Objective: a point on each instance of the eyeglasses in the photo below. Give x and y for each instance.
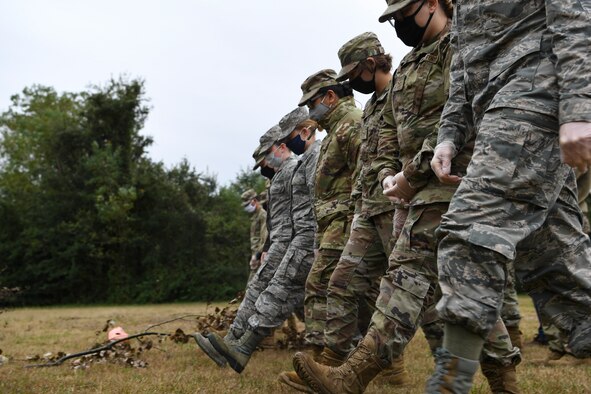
(310, 103)
(399, 13)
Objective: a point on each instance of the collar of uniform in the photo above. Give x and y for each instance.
(373, 102)
(284, 163)
(345, 105)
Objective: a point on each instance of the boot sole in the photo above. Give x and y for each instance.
(301, 369)
(283, 378)
(234, 364)
(208, 349)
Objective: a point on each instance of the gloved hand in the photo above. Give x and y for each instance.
(402, 192)
(575, 144)
(254, 262)
(388, 182)
(400, 215)
(441, 163)
(263, 257)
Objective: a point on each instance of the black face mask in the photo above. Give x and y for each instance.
(267, 172)
(365, 87)
(296, 145)
(408, 31)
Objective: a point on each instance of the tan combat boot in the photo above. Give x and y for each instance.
(500, 379)
(353, 376)
(291, 378)
(330, 358)
(550, 356)
(569, 360)
(395, 374)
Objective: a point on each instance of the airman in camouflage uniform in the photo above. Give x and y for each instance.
(336, 113)
(258, 228)
(248, 318)
(409, 289)
(520, 77)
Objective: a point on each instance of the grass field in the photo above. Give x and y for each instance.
(182, 368)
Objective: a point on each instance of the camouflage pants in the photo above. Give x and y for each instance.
(257, 285)
(316, 293)
(285, 292)
(356, 276)
(510, 310)
(516, 203)
(409, 292)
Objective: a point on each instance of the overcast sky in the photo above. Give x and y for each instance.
(218, 73)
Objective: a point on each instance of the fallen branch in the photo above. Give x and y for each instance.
(175, 319)
(92, 351)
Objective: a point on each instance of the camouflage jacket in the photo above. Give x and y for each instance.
(531, 55)
(336, 165)
(411, 120)
(280, 202)
(302, 198)
(258, 231)
(370, 200)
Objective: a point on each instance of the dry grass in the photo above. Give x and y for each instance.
(178, 368)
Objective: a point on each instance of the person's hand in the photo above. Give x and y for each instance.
(400, 215)
(316, 253)
(254, 262)
(441, 163)
(388, 182)
(263, 257)
(402, 192)
(575, 144)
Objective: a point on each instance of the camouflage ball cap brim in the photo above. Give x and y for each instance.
(394, 6)
(315, 82)
(290, 121)
(356, 50)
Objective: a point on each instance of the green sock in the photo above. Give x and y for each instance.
(462, 342)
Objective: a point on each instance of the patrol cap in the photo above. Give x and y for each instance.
(393, 6)
(315, 82)
(258, 157)
(357, 50)
(290, 121)
(266, 142)
(247, 196)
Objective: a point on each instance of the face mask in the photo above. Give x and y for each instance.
(296, 145)
(250, 208)
(267, 172)
(362, 86)
(273, 161)
(408, 31)
(319, 111)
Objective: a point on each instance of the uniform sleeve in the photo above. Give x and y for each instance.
(569, 23)
(263, 233)
(418, 170)
(456, 119)
(386, 162)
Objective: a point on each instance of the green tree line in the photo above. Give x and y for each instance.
(87, 217)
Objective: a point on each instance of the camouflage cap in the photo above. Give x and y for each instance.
(269, 138)
(393, 6)
(356, 50)
(290, 121)
(247, 196)
(315, 82)
(258, 157)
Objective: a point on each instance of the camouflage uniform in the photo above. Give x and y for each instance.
(280, 234)
(332, 191)
(365, 257)
(520, 70)
(258, 230)
(285, 291)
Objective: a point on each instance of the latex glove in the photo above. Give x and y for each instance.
(316, 253)
(402, 192)
(575, 144)
(263, 257)
(254, 262)
(441, 163)
(400, 215)
(388, 182)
